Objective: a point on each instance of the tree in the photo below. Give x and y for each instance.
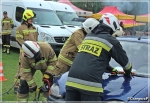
(89, 6)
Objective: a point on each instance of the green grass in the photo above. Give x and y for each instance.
(10, 66)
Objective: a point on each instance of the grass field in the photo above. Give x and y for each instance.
(10, 65)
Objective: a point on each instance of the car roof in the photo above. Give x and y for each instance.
(144, 39)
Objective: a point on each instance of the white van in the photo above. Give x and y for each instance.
(47, 23)
(66, 14)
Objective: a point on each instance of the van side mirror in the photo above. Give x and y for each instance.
(14, 26)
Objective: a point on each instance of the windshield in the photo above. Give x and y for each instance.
(137, 54)
(46, 17)
(66, 18)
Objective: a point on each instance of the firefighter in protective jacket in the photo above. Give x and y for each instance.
(26, 31)
(84, 81)
(35, 56)
(7, 25)
(70, 48)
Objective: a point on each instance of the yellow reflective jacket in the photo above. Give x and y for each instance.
(23, 33)
(7, 24)
(45, 64)
(70, 48)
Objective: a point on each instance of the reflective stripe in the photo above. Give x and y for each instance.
(62, 57)
(78, 46)
(100, 40)
(11, 22)
(41, 61)
(93, 49)
(26, 70)
(96, 43)
(17, 32)
(7, 46)
(84, 87)
(30, 82)
(84, 82)
(114, 69)
(128, 66)
(21, 50)
(27, 31)
(5, 21)
(54, 59)
(19, 36)
(65, 59)
(51, 67)
(6, 31)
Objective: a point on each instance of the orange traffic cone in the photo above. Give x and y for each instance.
(2, 78)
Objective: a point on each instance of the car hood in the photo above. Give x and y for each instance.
(116, 87)
(122, 88)
(54, 31)
(71, 28)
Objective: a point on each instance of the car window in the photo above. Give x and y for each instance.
(67, 17)
(137, 54)
(46, 17)
(19, 13)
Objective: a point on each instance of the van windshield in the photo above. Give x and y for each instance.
(66, 18)
(46, 17)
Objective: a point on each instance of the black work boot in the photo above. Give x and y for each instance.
(15, 90)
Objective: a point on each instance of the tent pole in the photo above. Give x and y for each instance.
(127, 14)
(96, 6)
(134, 23)
(140, 13)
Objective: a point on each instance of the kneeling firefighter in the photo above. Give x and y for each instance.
(84, 82)
(36, 56)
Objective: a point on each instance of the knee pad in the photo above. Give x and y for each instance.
(23, 88)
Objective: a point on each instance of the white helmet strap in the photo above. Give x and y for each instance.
(115, 25)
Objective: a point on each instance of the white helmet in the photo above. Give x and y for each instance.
(110, 20)
(31, 49)
(89, 24)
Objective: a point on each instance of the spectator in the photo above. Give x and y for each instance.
(147, 32)
(121, 24)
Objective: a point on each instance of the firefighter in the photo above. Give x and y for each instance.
(35, 56)
(84, 82)
(7, 25)
(26, 31)
(70, 48)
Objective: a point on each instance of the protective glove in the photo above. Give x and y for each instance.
(56, 78)
(128, 72)
(46, 76)
(48, 81)
(115, 71)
